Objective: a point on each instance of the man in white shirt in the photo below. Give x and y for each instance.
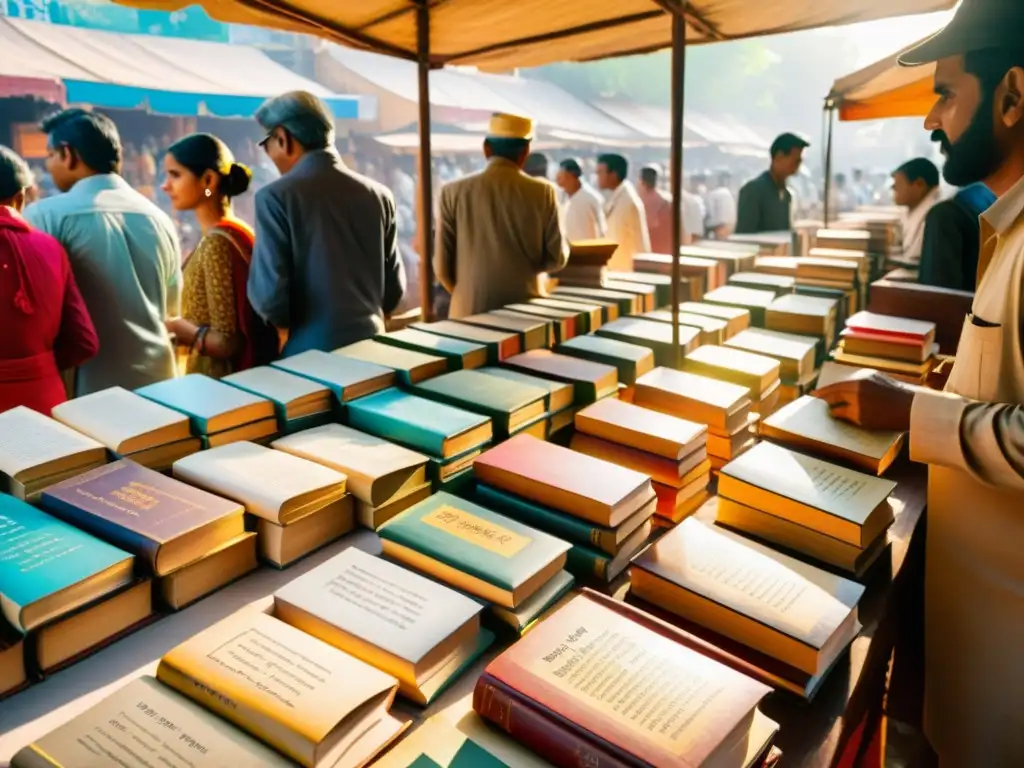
(915, 186)
(583, 212)
(627, 222)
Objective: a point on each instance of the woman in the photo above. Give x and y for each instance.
(218, 331)
(44, 325)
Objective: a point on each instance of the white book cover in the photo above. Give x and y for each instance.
(122, 420)
(29, 440)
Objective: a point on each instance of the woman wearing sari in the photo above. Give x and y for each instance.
(218, 333)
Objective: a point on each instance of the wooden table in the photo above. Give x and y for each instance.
(807, 738)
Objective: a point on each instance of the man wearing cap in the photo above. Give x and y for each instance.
(498, 231)
(972, 434)
(624, 211)
(766, 203)
(583, 214)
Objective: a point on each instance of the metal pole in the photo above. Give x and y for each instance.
(676, 168)
(830, 110)
(425, 221)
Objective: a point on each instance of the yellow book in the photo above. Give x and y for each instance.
(756, 372)
(796, 354)
(702, 399)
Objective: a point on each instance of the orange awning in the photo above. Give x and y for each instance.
(883, 90)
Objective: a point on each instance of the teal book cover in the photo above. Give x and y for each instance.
(566, 527)
(41, 555)
(336, 372)
(632, 360)
(278, 386)
(412, 421)
(477, 391)
(473, 539)
(203, 399)
(459, 353)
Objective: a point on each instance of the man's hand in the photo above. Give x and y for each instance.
(873, 401)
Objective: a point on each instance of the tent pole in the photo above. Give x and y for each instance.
(676, 169)
(425, 213)
(830, 112)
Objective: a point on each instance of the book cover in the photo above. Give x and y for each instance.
(591, 381)
(459, 353)
(661, 470)
(278, 386)
(631, 360)
(749, 298)
(409, 365)
(796, 354)
(211, 405)
(504, 400)
(798, 304)
(562, 323)
(500, 344)
(560, 395)
(122, 420)
(641, 428)
(534, 333)
(751, 370)
(344, 376)
(589, 315)
(652, 334)
(626, 302)
(33, 445)
(690, 395)
(895, 327)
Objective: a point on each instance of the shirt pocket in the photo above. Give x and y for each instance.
(978, 360)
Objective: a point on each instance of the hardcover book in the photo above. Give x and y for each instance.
(628, 302)
(647, 294)
(282, 545)
(212, 406)
(894, 327)
(592, 314)
(654, 335)
(500, 344)
(678, 474)
(533, 334)
(217, 568)
(796, 355)
(509, 404)
(560, 394)
(808, 315)
(631, 360)
(346, 377)
(641, 428)
(712, 330)
(592, 381)
(736, 318)
(762, 281)
(409, 366)
(459, 354)
(758, 373)
(123, 421)
(564, 323)
(293, 396)
(718, 404)
(754, 301)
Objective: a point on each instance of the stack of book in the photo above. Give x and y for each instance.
(724, 408)
(797, 357)
(712, 329)
(670, 450)
(459, 354)
(702, 274)
(410, 366)
(754, 301)
(728, 590)
(590, 381)
(628, 302)
(847, 239)
(219, 413)
(191, 542)
(590, 314)
(736, 319)
(588, 263)
(37, 451)
(647, 293)
(64, 591)
(860, 260)
(451, 437)
(300, 402)
(662, 284)
(516, 569)
(346, 377)
(768, 243)
(296, 506)
(564, 323)
(945, 307)
(631, 360)
(805, 316)
(559, 400)
(734, 257)
(758, 372)
(14, 672)
(413, 628)
(500, 344)
(834, 515)
(383, 478)
(898, 346)
(602, 509)
(645, 666)
(784, 266)
(763, 281)
(131, 426)
(838, 274)
(534, 332)
(656, 336)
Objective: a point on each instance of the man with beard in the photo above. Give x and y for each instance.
(972, 434)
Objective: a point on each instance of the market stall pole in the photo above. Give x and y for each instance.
(830, 117)
(424, 225)
(676, 161)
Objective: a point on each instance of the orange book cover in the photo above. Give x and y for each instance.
(641, 428)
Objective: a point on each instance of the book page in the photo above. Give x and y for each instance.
(28, 439)
(115, 415)
(809, 417)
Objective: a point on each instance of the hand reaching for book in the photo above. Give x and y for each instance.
(873, 401)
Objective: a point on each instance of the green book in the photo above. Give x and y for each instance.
(632, 360)
(294, 397)
(534, 333)
(590, 315)
(500, 344)
(211, 406)
(510, 404)
(409, 366)
(346, 377)
(473, 549)
(459, 354)
(560, 395)
(654, 335)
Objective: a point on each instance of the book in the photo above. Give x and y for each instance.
(596, 252)
(147, 723)
(563, 323)
(473, 549)
(500, 344)
(123, 421)
(838, 502)
(654, 335)
(628, 303)
(712, 329)
(592, 381)
(48, 567)
(915, 373)
(36, 451)
(211, 406)
(659, 469)
(701, 274)
(735, 318)
(377, 471)
(591, 489)
(762, 281)
(410, 366)
(417, 630)
(808, 424)
(646, 293)
(459, 353)
(754, 301)
(313, 703)
(896, 328)
(738, 260)
(373, 517)
(533, 334)
(879, 345)
(13, 672)
(787, 609)
(594, 566)
(560, 395)
(795, 354)
(945, 307)
(217, 568)
(641, 428)
(293, 396)
(420, 424)
(587, 317)
(677, 504)
(662, 285)
(804, 315)
(273, 485)
(756, 372)
(163, 522)
(283, 545)
(631, 360)
(509, 404)
(718, 404)
(540, 692)
(729, 445)
(834, 373)
(346, 377)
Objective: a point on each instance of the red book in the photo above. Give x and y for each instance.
(892, 327)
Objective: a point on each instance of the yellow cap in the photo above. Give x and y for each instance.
(505, 126)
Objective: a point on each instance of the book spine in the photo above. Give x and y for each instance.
(585, 563)
(572, 529)
(537, 730)
(103, 529)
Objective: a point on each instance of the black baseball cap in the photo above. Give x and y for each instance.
(787, 142)
(977, 26)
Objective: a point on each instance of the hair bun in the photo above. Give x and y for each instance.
(237, 180)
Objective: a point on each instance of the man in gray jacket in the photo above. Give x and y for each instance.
(326, 266)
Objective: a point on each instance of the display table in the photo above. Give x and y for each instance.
(809, 731)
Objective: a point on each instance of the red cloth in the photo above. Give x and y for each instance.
(44, 325)
(658, 208)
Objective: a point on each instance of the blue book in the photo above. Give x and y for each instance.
(49, 568)
(211, 406)
(346, 377)
(435, 428)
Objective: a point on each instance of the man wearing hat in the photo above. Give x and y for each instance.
(498, 231)
(583, 214)
(766, 202)
(972, 434)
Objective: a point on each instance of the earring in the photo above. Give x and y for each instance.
(208, 193)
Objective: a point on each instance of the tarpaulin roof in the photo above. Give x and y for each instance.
(656, 123)
(885, 89)
(501, 34)
(170, 76)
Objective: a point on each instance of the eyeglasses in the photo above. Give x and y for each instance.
(265, 140)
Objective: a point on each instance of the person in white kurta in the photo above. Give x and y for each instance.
(624, 211)
(583, 208)
(972, 434)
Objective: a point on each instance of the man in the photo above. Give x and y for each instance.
(123, 251)
(952, 239)
(536, 165)
(583, 214)
(721, 219)
(915, 186)
(498, 230)
(658, 212)
(861, 188)
(326, 266)
(971, 435)
(627, 224)
(766, 202)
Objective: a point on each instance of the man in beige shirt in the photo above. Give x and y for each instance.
(498, 231)
(972, 434)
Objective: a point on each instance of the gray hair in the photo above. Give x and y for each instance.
(15, 175)
(303, 115)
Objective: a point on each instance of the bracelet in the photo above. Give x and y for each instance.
(199, 340)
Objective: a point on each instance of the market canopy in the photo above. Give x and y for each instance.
(169, 76)
(884, 89)
(502, 34)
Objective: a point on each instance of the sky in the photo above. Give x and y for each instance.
(877, 39)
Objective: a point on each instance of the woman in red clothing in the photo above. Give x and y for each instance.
(44, 325)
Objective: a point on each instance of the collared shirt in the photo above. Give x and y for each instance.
(764, 206)
(627, 226)
(583, 215)
(126, 259)
(913, 227)
(721, 208)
